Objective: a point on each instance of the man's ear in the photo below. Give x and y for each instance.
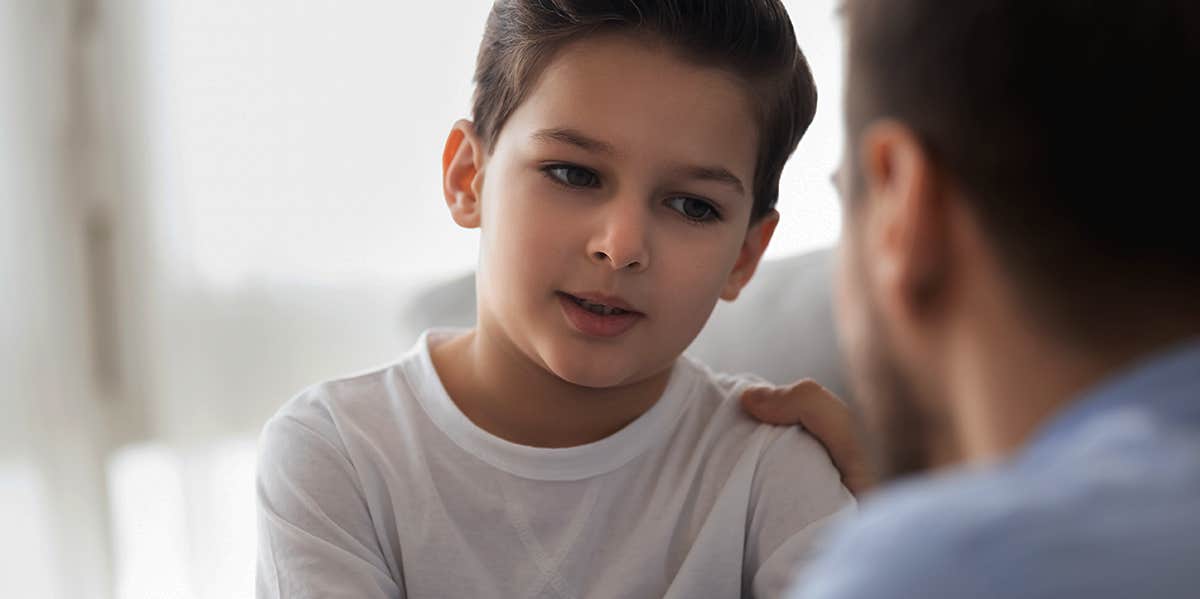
(906, 237)
(462, 174)
(758, 237)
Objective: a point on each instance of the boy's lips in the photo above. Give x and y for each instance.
(597, 298)
(598, 315)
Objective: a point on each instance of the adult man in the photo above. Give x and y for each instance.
(1019, 299)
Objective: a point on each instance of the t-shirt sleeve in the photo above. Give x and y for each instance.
(315, 533)
(796, 494)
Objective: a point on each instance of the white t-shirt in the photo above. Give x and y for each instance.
(378, 486)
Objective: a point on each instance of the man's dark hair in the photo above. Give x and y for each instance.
(1071, 125)
(753, 39)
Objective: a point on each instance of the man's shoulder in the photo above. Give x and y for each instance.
(945, 511)
(993, 533)
(922, 538)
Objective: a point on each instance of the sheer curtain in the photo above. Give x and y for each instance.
(231, 200)
(54, 433)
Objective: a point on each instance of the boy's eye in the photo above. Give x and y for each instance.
(573, 176)
(693, 209)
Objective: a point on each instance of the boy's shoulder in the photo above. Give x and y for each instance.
(716, 397)
(329, 406)
(716, 408)
(792, 490)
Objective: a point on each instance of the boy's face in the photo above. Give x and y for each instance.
(625, 179)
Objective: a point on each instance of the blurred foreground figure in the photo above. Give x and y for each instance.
(1019, 299)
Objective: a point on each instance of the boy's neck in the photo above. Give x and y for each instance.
(506, 394)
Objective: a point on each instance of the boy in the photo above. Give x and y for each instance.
(622, 167)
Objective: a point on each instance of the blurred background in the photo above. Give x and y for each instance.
(205, 207)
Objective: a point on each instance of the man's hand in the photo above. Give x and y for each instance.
(825, 416)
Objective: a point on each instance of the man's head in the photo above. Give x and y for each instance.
(1018, 158)
(625, 154)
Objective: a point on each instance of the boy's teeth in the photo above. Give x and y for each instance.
(600, 309)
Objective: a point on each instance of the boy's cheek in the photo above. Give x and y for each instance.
(692, 283)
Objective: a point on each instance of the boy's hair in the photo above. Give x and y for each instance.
(1058, 118)
(753, 39)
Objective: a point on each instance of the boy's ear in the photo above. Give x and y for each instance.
(462, 166)
(757, 239)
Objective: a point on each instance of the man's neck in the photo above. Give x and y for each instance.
(1011, 383)
(507, 394)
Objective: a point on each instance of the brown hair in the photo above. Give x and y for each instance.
(753, 39)
(1059, 119)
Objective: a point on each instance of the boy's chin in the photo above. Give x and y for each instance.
(592, 378)
(594, 374)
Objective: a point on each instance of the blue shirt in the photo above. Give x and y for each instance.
(1104, 502)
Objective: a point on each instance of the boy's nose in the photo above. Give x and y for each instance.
(619, 262)
(621, 243)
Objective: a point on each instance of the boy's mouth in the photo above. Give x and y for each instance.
(603, 306)
(596, 315)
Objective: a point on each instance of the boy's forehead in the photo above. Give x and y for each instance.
(618, 65)
(622, 93)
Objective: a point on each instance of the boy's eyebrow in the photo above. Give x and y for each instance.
(575, 138)
(716, 174)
